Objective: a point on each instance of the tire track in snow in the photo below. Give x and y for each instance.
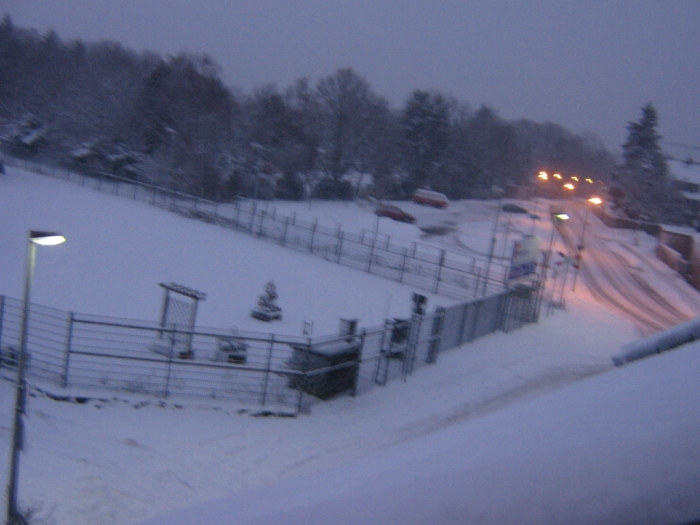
(612, 280)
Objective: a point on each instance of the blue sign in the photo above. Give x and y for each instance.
(525, 254)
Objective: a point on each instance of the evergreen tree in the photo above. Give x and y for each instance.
(642, 152)
(648, 192)
(425, 130)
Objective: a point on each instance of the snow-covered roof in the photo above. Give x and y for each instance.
(679, 230)
(691, 196)
(685, 172)
(83, 151)
(33, 136)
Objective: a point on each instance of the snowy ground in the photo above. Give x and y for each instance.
(498, 431)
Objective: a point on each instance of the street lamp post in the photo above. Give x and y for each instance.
(493, 245)
(14, 517)
(579, 248)
(548, 254)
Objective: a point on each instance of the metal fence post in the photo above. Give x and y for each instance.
(403, 264)
(381, 358)
(304, 377)
(435, 335)
(313, 234)
(166, 392)
(268, 366)
(253, 209)
(284, 231)
(478, 281)
(238, 214)
(503, 307)
(371, 253)
(339, 246)
(261, 226)
(69, 340)
(412, 344)
(477, 307)
(358, 363)
(2, 318)
(439, 273)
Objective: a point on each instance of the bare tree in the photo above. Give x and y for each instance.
(351, 115)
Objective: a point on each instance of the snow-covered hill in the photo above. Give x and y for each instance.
(491, 433)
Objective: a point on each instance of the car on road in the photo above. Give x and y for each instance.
(395, 213)
(513, 208)
(430, 198)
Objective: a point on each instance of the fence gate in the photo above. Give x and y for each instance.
(179, 312)
(403, 345)
(522, 307)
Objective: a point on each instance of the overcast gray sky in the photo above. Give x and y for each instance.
(587, 65)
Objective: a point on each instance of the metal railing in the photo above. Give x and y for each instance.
(421, 266)
(269, 370)
(76, 350)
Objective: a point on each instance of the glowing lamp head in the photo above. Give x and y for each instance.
(557, 176)
(569, 186)
(543, 175)
(561, 216)
(46, 238)
(595, 200)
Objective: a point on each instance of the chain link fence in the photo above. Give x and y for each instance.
(282, 373)
(421, 266)
(273, 371)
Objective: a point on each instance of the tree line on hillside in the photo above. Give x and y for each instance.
(99, 107)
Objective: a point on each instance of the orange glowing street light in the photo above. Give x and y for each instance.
(543, 175)
(557, 176)
(574, 178)
(569, 186)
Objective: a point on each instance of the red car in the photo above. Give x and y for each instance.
(430, 198)
(394, 212)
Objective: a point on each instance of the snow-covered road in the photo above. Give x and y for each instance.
(625, 278)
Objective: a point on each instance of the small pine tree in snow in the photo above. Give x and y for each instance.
(267, 308)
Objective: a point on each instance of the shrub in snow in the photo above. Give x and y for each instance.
(267, 309)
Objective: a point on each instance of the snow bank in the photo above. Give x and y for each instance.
(466, 440)
(615, 448)
(660, 342)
